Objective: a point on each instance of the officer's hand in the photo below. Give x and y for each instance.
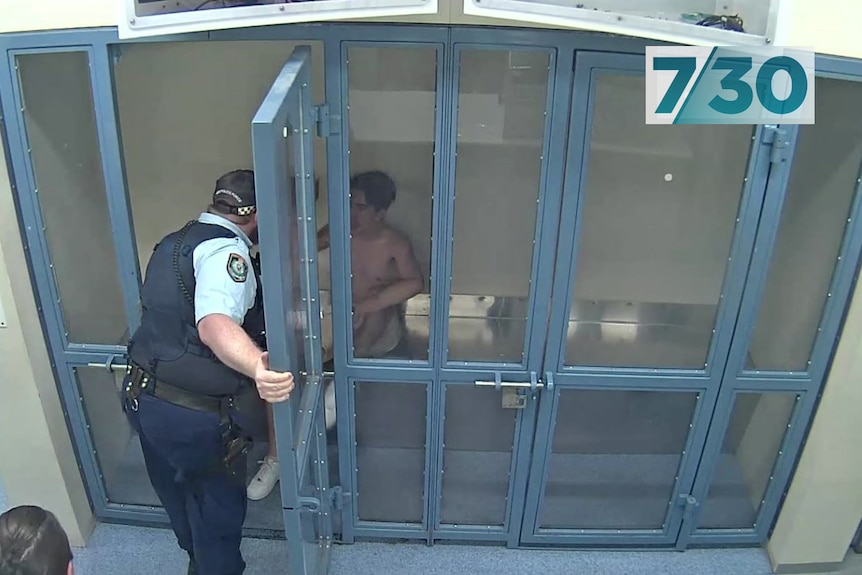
(272, 386)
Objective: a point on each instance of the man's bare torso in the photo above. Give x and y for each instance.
(373, 267)
(373, 261)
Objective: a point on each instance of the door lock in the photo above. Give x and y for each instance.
(514, 398)
(514, 394)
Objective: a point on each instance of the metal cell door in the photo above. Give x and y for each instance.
(89, 307)
(657, 231)
(494, 314)
(281, 138)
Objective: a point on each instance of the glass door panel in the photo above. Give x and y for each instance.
(615, 458)
(385, 293)
(752, 444)
(479, 444)
(499, 136)
(657, 217)
(115, 444)
(390, 430)
(284, 179)
(802, 275)
(653, 250)
(499, 153)
(59, 124)
(71, 227)
(310, 526)
(811, 234)
(392, 119)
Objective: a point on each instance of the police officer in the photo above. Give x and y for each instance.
(193, 354)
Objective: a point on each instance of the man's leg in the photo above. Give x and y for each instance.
(191, 443)
(163, 477)
(263, 482)
(217, 507)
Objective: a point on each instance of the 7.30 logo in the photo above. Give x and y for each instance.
(729, 85)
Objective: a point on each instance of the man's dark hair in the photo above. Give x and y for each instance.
(378, 187)
(32, 542)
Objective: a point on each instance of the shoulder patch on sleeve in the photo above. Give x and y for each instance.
(237, 267)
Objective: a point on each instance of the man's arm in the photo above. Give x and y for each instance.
(236, 350)
(408, 285)
(229, 342)
(225, 289)
(224, 292)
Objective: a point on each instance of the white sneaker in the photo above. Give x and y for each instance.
(264, 480)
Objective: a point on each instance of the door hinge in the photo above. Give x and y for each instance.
(327, 124)
(777, 138)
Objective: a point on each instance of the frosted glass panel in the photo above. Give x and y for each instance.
(658, 216)
(501, 129)
(60, 123)
(823, 182)
(751, 446)
(478, 441)
(390, 451)
(615, 458)
(392, 110)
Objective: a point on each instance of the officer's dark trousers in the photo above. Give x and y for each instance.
(183, 449)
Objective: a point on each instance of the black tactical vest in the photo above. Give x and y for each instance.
(166, 344)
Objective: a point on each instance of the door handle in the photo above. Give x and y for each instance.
(534, 382)
(112, 367)
(526, 384)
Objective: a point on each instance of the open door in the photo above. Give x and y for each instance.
(282, 143)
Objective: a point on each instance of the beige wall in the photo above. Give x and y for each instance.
(18, 15)
(824, 502)
(830, 26)
(37, 461)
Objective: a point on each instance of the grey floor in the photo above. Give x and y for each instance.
(142, 551)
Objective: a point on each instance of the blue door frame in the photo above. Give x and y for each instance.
(704, 382)
(284, 180)
(568, 118)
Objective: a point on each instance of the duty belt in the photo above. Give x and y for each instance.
(139, 381)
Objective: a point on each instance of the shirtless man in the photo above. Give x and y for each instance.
(385, 271)
(385, 276)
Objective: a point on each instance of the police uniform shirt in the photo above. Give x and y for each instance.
(224, 280)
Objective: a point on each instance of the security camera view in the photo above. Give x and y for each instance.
(155, 7)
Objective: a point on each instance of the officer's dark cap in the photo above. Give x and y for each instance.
(234, 193)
